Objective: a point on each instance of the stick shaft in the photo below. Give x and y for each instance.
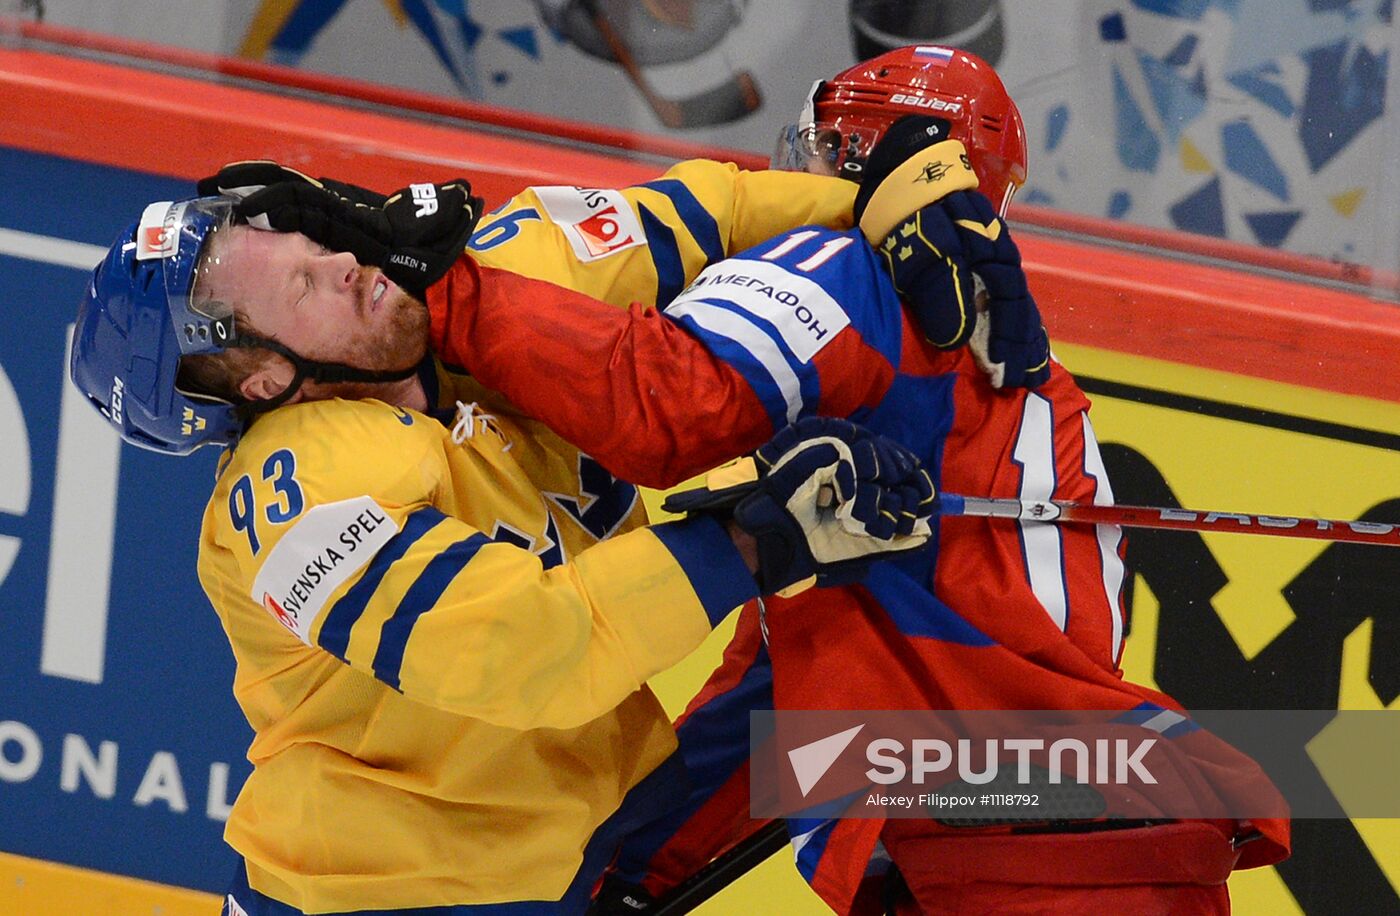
(669, 112)
(1321, 529)
(740, 94)
(952, 505)
(724, 870)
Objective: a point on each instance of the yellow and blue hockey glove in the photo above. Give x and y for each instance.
(935, 258)
(913, 164)
(952, 239)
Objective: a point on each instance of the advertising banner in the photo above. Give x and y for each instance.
(1231, 621)
(121, 748)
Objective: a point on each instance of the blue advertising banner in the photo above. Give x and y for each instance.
(121, 748)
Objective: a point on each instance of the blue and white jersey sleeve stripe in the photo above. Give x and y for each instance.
(771, 311)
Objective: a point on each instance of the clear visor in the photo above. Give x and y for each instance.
(820, 149)
(188, 238)
(809, 148)
(216, 216)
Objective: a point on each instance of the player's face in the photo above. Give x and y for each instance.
(319, 303)
(821, 145)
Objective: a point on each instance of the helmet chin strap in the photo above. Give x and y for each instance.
(310, 370)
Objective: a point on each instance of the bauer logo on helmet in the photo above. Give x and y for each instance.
(923, 101)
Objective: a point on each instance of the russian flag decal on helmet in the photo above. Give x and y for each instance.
(933, 54)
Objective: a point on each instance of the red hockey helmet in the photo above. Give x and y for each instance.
(845, 115)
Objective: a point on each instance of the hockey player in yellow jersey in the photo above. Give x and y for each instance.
(443, 615)
(634, 244)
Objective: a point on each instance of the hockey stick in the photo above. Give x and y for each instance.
(720, 105)
(724, 870)
(951, 505)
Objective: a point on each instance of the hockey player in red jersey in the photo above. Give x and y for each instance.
(1009, 615)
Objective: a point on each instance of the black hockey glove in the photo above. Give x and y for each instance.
(829, 499)
(935, 258)
(240, 179)
(415, 235)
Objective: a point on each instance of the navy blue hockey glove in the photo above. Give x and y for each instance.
(414, 235)
(953, 239)
(936, 257)
(913, 164)
(832, 498)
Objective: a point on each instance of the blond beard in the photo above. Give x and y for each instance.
(407, 341)
(403, 346)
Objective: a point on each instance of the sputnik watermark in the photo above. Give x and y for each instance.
(1114, 761)
(935, 802)
(986, 766)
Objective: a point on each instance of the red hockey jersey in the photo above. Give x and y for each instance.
(1003, 615)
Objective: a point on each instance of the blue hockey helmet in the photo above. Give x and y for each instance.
(140, 316)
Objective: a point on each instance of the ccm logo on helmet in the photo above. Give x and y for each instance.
(920, 101)
(115, 402)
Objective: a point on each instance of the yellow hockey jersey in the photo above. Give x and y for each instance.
(444, 668)
(646, 243)
(440, 716)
